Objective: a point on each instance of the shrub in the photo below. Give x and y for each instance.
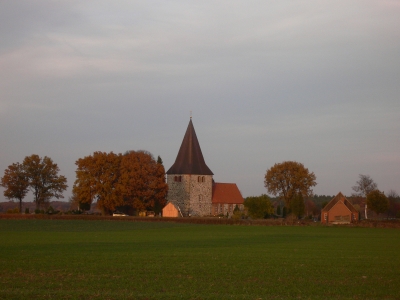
(377, 201)
(84, 206)
(27, 210)
(291, 218)
(52, 211)
(258, 207)
(237, 214)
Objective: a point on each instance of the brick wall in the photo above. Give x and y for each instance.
(339, 213)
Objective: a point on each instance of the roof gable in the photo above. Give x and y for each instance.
(339, 204)
(170, 205)
(190, 159)
(171, 210)
(339, 197)
(226, 193)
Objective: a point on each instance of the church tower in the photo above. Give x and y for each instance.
(189, 179)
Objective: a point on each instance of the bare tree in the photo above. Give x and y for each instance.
(364, 186)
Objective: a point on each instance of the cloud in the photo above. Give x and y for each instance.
(267, 81)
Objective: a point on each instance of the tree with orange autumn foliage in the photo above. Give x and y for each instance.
(43, 179)
(289, 179)
(97, 178)
(15, 182)
(142, 181)
(133, 181)
(38, 174)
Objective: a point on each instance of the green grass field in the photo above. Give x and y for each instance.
(78, 259)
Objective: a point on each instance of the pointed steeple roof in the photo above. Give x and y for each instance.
(190, 159)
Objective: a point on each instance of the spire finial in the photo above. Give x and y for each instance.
(190, 114)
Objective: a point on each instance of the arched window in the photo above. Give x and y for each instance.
(203, 179)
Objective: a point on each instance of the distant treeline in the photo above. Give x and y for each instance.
(319, 200)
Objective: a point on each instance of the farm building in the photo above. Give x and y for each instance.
(339, 211)
(191, 187)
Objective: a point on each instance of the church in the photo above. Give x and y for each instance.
(191, 187)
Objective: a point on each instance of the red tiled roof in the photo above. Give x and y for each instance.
(190, 159)
(336, 199)
(226, 193)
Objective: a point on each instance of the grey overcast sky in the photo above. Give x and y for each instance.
(313, 81)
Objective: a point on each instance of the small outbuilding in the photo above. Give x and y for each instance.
(339, 211)
(171, 211)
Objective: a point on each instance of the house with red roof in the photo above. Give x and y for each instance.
(225, 197)
(339, 211)
(191, 187)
